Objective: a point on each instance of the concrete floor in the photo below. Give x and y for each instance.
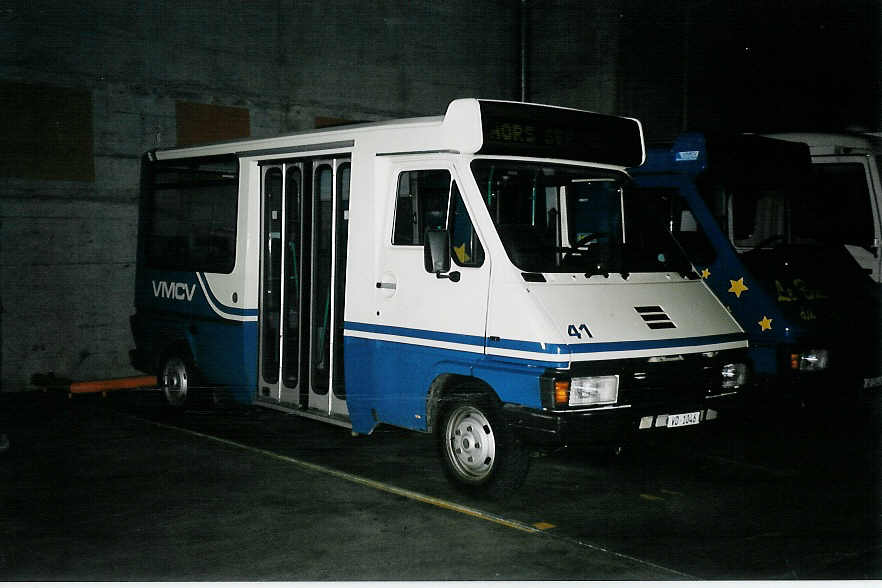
(119, 489)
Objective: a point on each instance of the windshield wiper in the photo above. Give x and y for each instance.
(588, 274)
(625, 274)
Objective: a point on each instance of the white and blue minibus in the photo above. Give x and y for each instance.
(482, 276)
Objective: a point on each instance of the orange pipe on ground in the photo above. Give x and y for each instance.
(114, 384)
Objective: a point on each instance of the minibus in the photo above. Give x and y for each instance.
(482, 276)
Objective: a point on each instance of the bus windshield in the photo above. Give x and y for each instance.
(559, 218)
(809, 208)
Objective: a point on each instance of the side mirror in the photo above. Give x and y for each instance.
(436, 251)
(436, 254)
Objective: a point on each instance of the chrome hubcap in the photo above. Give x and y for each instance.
(471, 446)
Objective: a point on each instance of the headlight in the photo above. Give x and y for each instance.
(812, 360)
(594, 390)
(734, 375)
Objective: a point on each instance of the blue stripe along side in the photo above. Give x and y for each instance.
(656, 344)
(227, 309)
(416, 333)
(548, 348)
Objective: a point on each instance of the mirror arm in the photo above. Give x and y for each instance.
(452, 276)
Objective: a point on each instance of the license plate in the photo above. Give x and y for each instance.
(682, 420)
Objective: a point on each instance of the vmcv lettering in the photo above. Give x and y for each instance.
(175, 290)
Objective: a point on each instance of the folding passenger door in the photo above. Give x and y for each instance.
(303, 261)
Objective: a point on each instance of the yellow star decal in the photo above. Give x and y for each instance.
(766, 323)
(737, 287)
(705, 273)
(461, 253)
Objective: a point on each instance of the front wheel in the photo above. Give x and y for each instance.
(479, 450)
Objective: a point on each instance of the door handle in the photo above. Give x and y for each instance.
(387, 285)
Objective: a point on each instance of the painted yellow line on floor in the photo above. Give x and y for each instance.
(431, 500)
(672, 492)
(441, 503)
(651, 497)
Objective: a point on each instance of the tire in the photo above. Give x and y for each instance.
(176, 381)
(478, 449)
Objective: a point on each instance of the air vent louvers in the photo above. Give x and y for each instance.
(655, 317)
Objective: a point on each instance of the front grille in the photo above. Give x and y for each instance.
(643, 383)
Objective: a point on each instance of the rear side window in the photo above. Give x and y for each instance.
(189, 215)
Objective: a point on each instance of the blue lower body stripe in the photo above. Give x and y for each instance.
(441, 336)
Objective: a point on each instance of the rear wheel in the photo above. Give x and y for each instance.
(175, 381)
(479, 450)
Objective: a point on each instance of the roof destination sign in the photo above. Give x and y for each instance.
(532, 130)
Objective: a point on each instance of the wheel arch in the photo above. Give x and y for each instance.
(449, 386)
(180, 347)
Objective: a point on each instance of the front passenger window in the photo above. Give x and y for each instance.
(421, 204)
(430, 199)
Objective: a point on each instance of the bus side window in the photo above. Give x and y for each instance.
(190, 215)
(421, 203)
(667, 207)
(688, 232)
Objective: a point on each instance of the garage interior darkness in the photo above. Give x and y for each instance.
(87, 87)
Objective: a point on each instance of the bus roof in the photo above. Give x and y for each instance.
(489, 127)
(738, 155)
(835, 143)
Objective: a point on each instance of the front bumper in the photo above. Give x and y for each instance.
(649, 392)
(851, 373)
(607, 427)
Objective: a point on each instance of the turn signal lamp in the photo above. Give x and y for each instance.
(813, 360)
(561, 392)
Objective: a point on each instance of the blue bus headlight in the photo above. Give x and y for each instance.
(812, 360)
(594, 390)
(734, 375)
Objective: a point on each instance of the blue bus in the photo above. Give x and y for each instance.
(753, 216)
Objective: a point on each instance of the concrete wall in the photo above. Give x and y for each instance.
(67, 247)
(573, 54)
(750, 65)
(67, 240)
